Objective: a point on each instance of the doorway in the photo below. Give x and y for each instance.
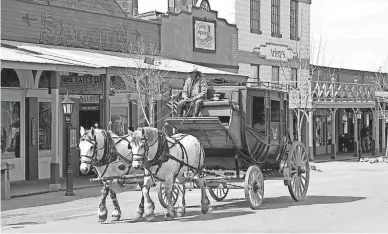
(87, 118)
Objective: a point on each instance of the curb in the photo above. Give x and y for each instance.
(48, 191)
(335, 160)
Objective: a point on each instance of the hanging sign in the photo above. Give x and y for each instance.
(275, 52)
(80, 85)
(204, 35)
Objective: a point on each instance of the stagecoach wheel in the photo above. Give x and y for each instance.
(254, 187)
(299, 169)
(219, 194)
(162, 194)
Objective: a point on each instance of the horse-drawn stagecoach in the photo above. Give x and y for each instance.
(243, 136)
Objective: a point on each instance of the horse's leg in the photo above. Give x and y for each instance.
(116, 214)
(140, 209)
(102, 211)
(205, 203)
(181, 210)
(170, 205)
(149, 205)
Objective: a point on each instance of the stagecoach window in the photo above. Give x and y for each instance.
(275, 111)
(258, 114)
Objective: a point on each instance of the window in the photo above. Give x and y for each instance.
(258, 114)
(294, 77)
(9, 78)
(256, 72)
(44, 125)
(255, 16)
(275, 73)
(294, 20)
(10, 129)
(275, 18)
(275, 111)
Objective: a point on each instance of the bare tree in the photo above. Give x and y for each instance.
(148, 78)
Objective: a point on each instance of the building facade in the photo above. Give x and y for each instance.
(81, 48)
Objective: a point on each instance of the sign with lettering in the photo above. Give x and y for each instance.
(89, 108)
(81, 85)
(34, 132)
(73, 137)
(34, 22)
(204, 35)
(95, 99)
(275, 52)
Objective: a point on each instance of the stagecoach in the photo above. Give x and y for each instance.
(244, 131)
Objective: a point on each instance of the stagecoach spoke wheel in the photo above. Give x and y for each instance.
(162, 193)
(254, 187)
(219, 194)
(299, 168)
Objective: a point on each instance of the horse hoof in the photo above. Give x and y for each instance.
(116, 215)
(102, 215)
(139, 213)
(180, 212)
(205, 206)
(168, 217)
(150, 216)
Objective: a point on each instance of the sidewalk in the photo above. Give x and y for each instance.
(28, 188)
(342, 157)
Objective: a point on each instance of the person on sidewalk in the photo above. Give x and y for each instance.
(193, 94)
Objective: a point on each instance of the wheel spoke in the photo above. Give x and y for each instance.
(304, 177)
(302, 183)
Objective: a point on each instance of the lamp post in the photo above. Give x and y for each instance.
(67, 105)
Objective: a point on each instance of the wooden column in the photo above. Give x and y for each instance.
(55, 185)
(356, 133)
(106, 101)
(383, 132)
(32, 139)
(311, 134)
(376, 133)
(334, 133)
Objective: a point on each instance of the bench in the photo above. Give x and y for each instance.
(5, 184)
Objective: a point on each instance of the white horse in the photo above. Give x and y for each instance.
(168, 159)
(110, 155)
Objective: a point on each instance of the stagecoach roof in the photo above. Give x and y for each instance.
(47, 54)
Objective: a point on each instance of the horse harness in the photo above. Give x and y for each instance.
(162, 155)
(110, 152)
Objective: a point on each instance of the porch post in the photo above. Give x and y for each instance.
(311, 134)
(356, 133)
(376, 133)
(106, 100)
(55, 185)
(383, 133)
(333, 134)
(291, 124)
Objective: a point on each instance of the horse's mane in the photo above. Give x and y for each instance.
(151, 134)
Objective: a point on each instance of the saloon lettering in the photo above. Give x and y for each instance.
(81, 79)
(60, 32)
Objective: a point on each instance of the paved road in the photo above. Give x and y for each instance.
(345, 197)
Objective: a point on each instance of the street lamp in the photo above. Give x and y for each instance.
(67, 105)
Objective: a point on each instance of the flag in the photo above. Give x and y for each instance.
(173, 105)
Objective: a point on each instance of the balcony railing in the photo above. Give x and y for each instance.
(343, 92)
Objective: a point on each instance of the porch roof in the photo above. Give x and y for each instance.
(47, 54)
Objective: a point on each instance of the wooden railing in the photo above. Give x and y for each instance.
(342, 92)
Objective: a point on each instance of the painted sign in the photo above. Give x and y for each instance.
(34, 132)
(275, 52)
(33, 22)
(204, 35)
(81, 85)
(89, 108)
(73, 137)
(95, 99)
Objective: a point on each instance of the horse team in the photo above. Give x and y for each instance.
(174, 159)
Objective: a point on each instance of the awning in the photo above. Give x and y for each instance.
(46, 54)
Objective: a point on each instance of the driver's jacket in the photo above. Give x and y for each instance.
(195, 90)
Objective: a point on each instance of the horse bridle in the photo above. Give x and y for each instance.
(93, 158)
(143, 157)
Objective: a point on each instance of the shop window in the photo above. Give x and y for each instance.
(119, 119)
(9, 78)
(117, 83)
(44, 80)
(275, 73)
(44, 125)
(275, 111)
(258, 114)
(294, 77)
(10, 129)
